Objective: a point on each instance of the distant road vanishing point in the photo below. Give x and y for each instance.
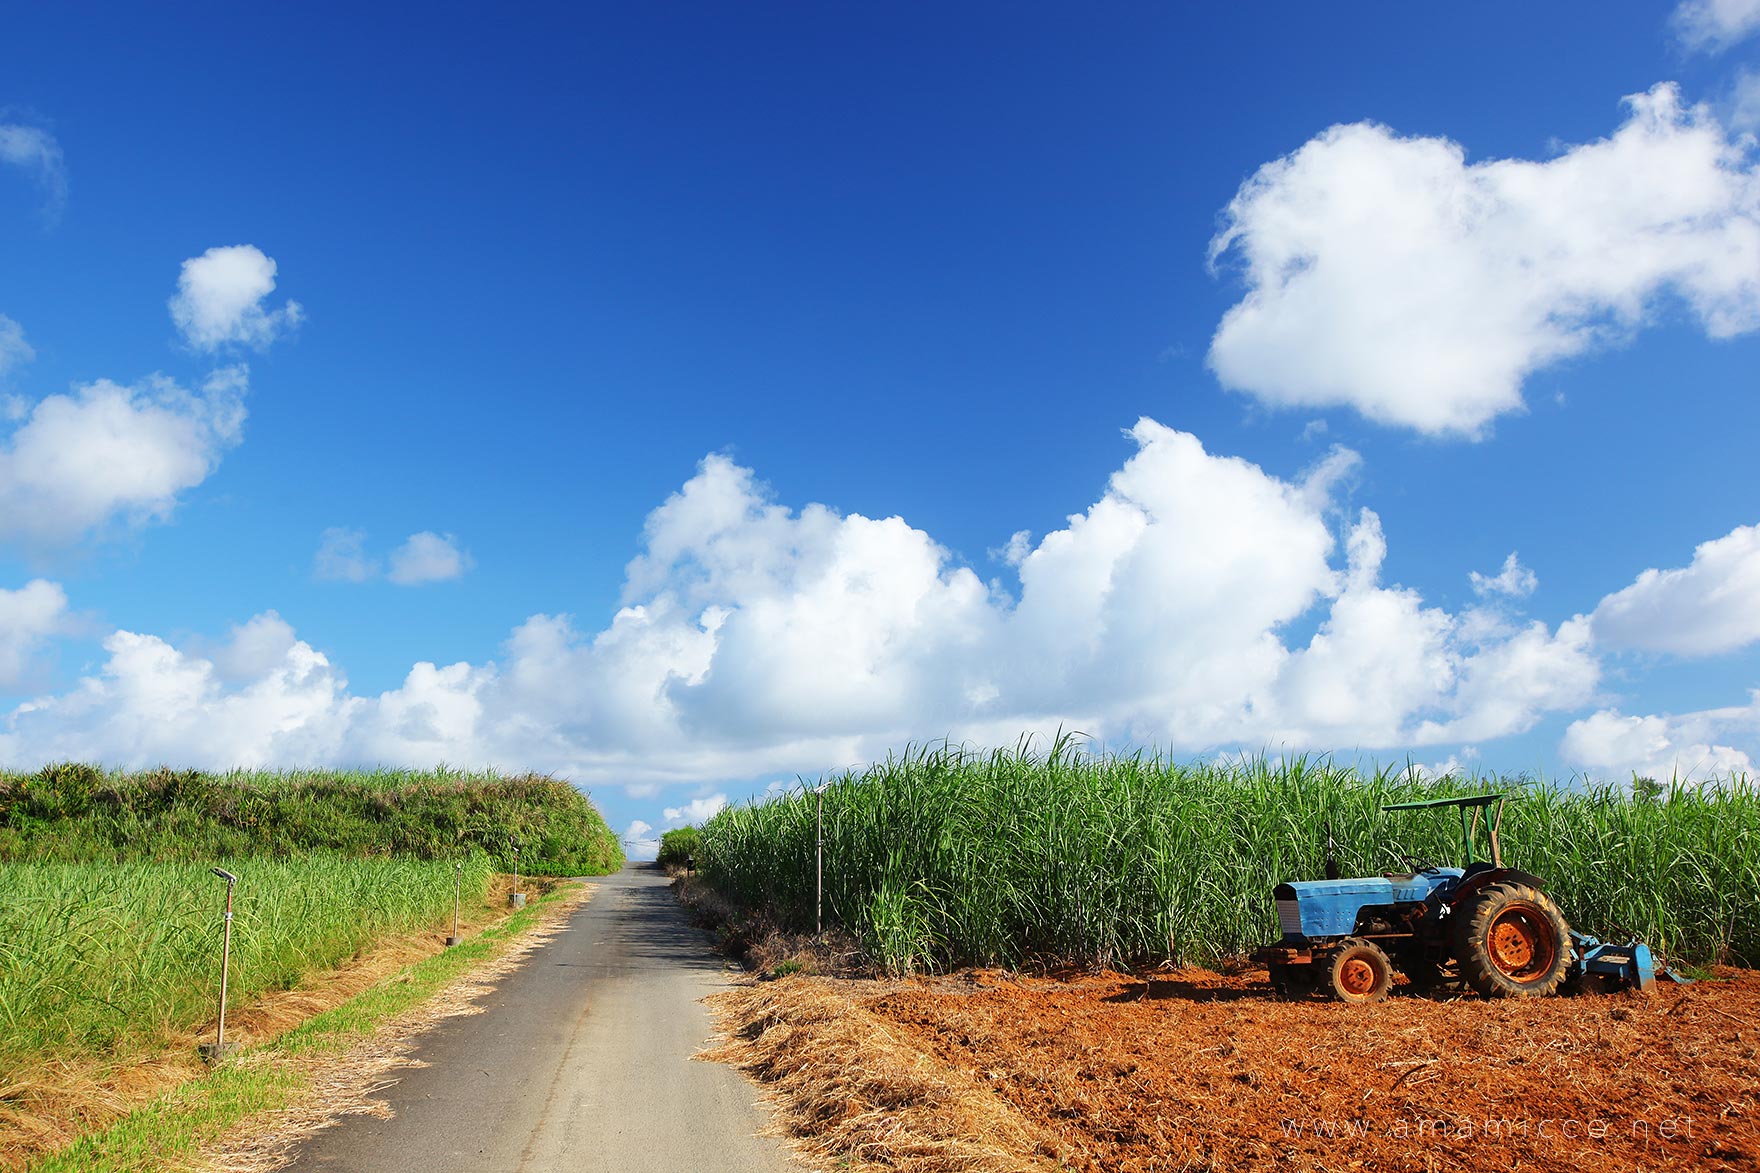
(581, 1061)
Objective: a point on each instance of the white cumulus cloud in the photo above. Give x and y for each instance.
(697, 811)
(1708, 607)
(1693, 747)
(29, 617)
(254, 649)
(1714, 25)
(1389, 275)
(756, 639)
(219, 300)
(152, 703)
(1514, 581)
(71, 463)
(428, 557)
(641, 840)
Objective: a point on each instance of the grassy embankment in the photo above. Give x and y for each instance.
(78, 814)
(174, 1130)
(944, 857)
(100, 960)
(109, 918)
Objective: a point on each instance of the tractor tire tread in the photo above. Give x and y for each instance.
(1379, 962)
(1472, 949)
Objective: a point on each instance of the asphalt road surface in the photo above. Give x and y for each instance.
(581, 1061)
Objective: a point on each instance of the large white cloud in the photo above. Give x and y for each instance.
(152, 703)
(71, 463)
(757, 639)
(1708, 607)
(1716, 24)
(219, 300)
(1692, 747)
(1389, 275)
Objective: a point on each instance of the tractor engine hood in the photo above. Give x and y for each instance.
(1328, 908)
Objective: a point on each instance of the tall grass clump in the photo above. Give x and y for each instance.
(78, 813)
(96, 960)
(946, 856)
(679, 847)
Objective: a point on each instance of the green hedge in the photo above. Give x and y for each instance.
(79, 813)
(677, 848)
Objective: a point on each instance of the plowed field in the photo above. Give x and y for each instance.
(1197, 1071)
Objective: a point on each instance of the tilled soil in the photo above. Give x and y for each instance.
(1196, 1071)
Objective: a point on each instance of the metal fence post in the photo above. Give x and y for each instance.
(218, 1049)
(457, 896)
(819, 881)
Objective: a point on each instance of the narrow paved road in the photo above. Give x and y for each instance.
(580, 1062)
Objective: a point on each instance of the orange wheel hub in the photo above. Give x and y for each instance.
(1519, 944)
(1357, 977)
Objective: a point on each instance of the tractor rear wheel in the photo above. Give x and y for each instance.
(1512, 942)
(1360, 972)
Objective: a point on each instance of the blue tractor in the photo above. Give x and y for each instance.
(1488, 926)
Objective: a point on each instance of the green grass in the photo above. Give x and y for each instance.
(110, 921)
(167, 1132)
(80, 814)
(944, 856)
(103, 960)
(679, 847)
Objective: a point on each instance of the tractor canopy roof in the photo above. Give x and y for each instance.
(1470, 802)
(1465, 800)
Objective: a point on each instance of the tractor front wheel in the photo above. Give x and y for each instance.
(1512, 942)
(1360, 972)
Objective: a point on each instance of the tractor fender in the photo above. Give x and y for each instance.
(1474, 881)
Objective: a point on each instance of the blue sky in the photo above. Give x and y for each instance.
(681, 398)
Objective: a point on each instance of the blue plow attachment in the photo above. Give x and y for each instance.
(1629, 965)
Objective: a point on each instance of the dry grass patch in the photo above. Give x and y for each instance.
(853, 1090)
(763, 946)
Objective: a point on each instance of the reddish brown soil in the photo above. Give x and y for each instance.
(1196, 1071)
